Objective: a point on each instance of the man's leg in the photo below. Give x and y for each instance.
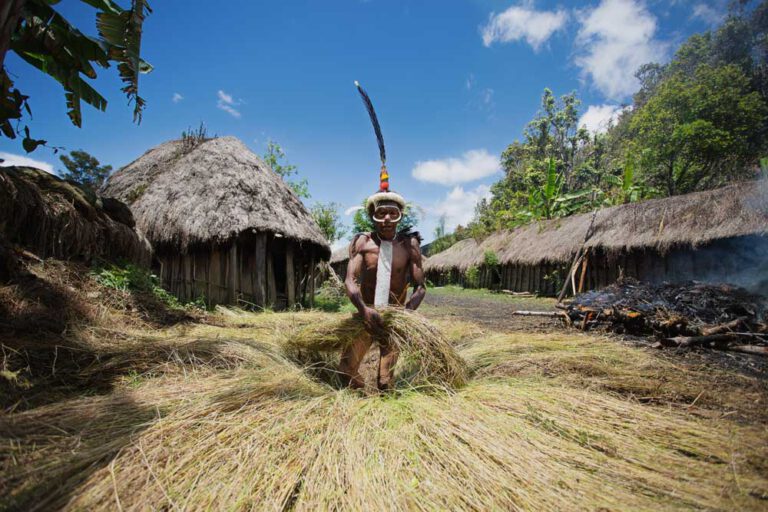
(352, 357)
(389, 355)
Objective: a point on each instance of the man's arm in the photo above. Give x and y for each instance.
(417, 274)
(371, 317)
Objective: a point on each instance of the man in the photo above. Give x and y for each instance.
(377, 276)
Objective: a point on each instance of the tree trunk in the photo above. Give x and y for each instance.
(10, 15)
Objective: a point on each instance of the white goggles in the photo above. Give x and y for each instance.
(380, 214)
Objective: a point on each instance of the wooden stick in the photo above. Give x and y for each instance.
(721, 328)
(759, 350)
(584, 264)
(577, 258)
(690, 341)
(538, 313)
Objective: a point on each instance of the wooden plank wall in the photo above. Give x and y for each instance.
(242, 272)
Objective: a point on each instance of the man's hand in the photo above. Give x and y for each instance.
(372, 320)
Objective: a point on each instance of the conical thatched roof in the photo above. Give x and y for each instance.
(182, 195)
(687, 220)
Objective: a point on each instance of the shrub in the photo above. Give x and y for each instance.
(131, 278)
(472, 277)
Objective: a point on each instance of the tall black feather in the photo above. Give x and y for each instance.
(374, 122)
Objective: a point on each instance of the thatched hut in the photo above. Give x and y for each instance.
(717, 234)
(339, 261)
(224, 226)
(54, 218)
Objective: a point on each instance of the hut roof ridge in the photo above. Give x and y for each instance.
(183, 194)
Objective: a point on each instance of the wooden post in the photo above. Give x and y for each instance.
(584, 264)
(188, 290)
(260, 270)
(290, 276)
(271, 284)
(232, 295)
(312, 278)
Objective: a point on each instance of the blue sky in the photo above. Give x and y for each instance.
(453, 82)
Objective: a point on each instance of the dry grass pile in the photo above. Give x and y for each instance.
(426, 358)
(221, 419)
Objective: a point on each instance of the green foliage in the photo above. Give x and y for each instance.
(328, 219)
(43, 38)
(698, 131)
(131, 278)
(192, 137)
(332, 298)
(274, 158)
(440, 228)
(361, 223)
(472, 277)
(84, 169)
(490, 258)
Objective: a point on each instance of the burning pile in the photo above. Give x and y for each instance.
(680, 315)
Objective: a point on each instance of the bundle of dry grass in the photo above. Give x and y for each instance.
(426, 355)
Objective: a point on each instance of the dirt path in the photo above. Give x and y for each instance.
(489, 310)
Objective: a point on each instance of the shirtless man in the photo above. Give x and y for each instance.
(400, 256)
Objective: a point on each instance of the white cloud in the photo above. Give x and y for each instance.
(11, 159)
(486, 96)
(227, 103)
(352, 209)
(523, 22)
(177, 97)
(709, 14)
(614, 40)
(472, 165)
(598, 118)
(470, 82)
(459, 205)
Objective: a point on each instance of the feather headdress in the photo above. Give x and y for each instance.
(384, 194)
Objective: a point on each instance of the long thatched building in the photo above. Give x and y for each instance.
(717, 235)
(224, 226)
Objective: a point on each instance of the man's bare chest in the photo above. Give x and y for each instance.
(371, 251)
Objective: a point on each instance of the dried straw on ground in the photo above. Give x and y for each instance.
(537, 428)
(426, 356)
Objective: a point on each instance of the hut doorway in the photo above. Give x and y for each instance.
(277, 254)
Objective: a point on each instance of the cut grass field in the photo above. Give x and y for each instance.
(219, 415)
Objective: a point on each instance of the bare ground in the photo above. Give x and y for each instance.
(494, 311)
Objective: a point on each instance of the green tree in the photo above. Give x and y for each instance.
(440, 228)
(328, 219)
(84, 169)
(274, 158)
(699, 131)
(42, 37)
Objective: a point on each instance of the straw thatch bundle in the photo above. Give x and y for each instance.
(210, 192)
(426, 356)
(688, 220)
(55, 218)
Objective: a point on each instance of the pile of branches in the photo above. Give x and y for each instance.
(690, 314)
